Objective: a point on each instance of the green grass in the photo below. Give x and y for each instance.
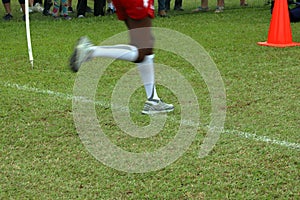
(42, 156)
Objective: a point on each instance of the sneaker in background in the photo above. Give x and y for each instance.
(37, 8)
(7, 17)
(67, 17)
(219, 9)
(200, 9)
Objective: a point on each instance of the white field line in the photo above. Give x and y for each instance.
(262, 138)
(50, 92)
(242, 134)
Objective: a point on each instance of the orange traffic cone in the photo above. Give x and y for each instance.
(280, 34)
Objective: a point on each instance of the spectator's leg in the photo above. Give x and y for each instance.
(178, 5)
(47, 6)
(99, 7)
(81, 7)
(64, 7)
(167, 4)
(6, 4)
(56, 8)
(161, 8)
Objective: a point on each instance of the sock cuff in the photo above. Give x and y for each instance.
(147, 59)
(151, 56)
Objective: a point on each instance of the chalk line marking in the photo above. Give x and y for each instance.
(262, 138)
(242, 134)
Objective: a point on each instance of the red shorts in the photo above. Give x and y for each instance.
(135, 9)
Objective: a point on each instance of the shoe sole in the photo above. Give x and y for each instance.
(156, 112)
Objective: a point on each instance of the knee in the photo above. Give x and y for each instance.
(143, 53)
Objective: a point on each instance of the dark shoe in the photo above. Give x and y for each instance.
(8, 17)
(178, 9)
(89, 10)
(46, 12)
(70, 9)
(24, 18)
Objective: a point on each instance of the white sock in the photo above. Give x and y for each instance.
(121, 52)
(146, 69)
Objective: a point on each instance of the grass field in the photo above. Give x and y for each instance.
(256, 157)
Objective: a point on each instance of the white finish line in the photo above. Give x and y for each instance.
(242, 134)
